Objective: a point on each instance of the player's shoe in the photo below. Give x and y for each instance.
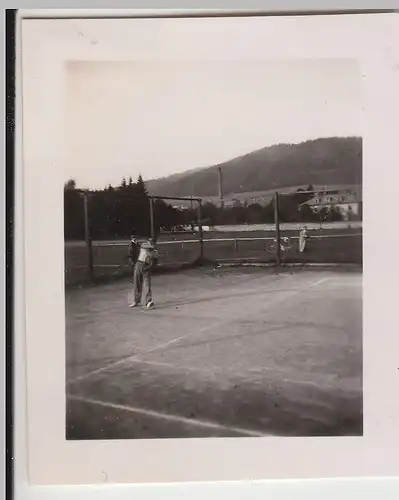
(133, 304)
(150, 304)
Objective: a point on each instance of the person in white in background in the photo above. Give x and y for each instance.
(142, 273)
(303, 235)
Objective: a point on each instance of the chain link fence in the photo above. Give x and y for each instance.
(310, 227)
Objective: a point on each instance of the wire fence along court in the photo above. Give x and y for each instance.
(329, 232)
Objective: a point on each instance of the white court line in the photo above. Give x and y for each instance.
(150, 351)
(319, 282)
(182, 337)
(134, 356)
(207, 371)
(168, 417)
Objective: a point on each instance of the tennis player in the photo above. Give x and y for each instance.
(134, 249)
(303, 236)
(142, 273)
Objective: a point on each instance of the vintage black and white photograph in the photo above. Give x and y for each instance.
(206, 249)
(213, 249)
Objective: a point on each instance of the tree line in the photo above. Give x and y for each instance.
(118, 212)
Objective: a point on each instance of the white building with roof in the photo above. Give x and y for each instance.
(347, 203)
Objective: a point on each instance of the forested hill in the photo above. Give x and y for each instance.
(325, 161)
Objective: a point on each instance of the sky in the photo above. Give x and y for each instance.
(159, 118)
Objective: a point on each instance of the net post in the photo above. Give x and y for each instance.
(88, 237)
(277, 224)
(201, 236)
(152, 225)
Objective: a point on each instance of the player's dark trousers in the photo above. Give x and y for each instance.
(141, 279)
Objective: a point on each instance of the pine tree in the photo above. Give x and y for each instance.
(141, 189)
(70, 184)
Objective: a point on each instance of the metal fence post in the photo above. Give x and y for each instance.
(201, 237)
(88, 237)
(152, 224)
(277, 223)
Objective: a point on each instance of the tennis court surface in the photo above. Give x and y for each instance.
(226, 352)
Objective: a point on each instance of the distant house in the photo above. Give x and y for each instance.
(347, 203)
(180, 207)
(232, 203)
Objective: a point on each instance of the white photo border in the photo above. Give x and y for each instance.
(372, 40)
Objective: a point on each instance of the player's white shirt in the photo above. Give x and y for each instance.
(147, 254)
(303, 233)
